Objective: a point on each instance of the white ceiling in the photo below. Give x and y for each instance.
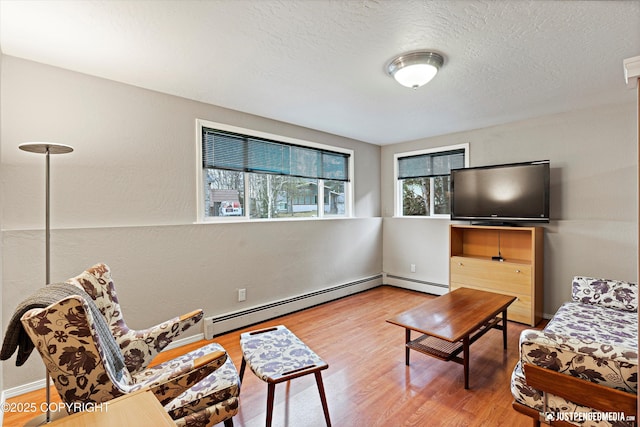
(320, 63)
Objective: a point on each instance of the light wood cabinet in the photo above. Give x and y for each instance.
(506, 260)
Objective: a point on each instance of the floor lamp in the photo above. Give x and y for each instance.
(46, 148)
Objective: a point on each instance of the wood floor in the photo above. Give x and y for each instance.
(367, 383)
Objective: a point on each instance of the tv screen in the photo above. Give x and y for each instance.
(517, 192)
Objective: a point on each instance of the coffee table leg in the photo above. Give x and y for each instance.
(270, 394)
(407, 339)
(504, 329)
(465, 350)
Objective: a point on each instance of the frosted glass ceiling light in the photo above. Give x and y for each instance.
(415, 69)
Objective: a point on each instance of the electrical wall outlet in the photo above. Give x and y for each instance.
(242, 295)
(413, 268)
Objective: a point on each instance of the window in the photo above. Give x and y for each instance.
(422, 187)
(253, 175)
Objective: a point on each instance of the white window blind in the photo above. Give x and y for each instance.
(230, 151)
(430, 164)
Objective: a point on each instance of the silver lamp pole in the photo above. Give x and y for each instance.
(46, 148)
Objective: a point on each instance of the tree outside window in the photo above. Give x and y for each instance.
(259, 178)
(423, 184)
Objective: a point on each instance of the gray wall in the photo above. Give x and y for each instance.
(1, 245)
(594, 197)
(127, 197)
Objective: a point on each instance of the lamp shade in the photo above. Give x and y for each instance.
(45, 147)
(415, 69)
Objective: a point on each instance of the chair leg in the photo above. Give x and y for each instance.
(323, 398)
(243, 365)
(271, 388)
(228, 423)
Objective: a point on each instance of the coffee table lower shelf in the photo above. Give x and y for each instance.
(447, 350)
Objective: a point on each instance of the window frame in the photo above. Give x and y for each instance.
(200, 190)
(397, 183)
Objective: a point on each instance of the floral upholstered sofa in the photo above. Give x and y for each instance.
(585, 359)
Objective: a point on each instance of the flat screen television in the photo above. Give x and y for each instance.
(510, 193)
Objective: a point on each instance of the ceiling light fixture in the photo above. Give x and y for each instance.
(414, 69)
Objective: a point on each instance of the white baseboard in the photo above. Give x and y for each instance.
(22, 389)
(416, 285)
(220, 324)
(184, 341)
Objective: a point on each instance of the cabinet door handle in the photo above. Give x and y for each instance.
(460, 264)
(517, 271)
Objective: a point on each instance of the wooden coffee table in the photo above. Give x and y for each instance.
(451, 322)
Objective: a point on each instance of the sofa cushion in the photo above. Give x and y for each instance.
(595, 343)
(596, 324)
(605, 292)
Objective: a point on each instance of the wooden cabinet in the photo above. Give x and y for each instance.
(506, 260)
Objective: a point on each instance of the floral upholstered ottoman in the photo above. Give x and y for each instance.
(276, 355)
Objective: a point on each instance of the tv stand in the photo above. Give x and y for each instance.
(501, 259)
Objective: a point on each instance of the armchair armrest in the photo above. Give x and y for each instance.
(208, 358)
(192, 315)
(156, 378)
(580, 391)
(139, 347)
(611, 366)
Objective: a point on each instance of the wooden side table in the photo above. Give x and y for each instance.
(139, 409)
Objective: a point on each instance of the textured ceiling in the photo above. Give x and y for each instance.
(320, 63)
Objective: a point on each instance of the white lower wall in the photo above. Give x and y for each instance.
(418, 241)
(164, 271)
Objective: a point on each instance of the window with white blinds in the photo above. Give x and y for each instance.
(254, 175)
(229, 151)
(422, 188)
(430, 164)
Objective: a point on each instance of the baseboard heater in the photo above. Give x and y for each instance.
(217, 325)
(416, 285)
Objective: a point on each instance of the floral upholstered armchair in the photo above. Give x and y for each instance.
(584, 363)
(138, 346)
(198, 389)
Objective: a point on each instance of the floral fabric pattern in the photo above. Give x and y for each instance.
(534, 399)
(138, 347)
(605, 292)
(276, 353)
(592, 323)
(65, 336)
(594, 338)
